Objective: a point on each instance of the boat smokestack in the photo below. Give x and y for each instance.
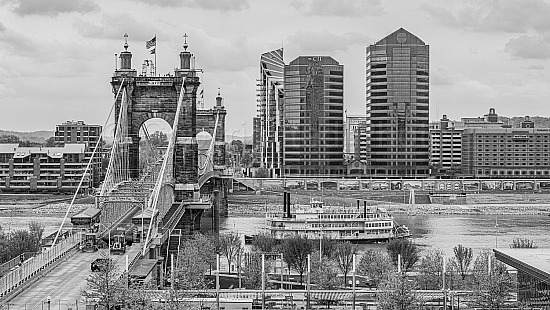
(358, 203)
(284, 204)
(288, 205)
(364, 209)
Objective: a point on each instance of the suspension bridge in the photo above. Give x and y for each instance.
(162, 201)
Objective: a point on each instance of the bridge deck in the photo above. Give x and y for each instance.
(65, 282)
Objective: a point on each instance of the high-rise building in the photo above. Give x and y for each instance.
(313, 116)
(350, 130)
(397, 78)
(270, 109)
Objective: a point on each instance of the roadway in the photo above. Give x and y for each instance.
(65, 282)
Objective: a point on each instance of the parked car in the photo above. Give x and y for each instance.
(99, 264)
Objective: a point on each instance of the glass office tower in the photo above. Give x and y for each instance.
(397, 78)
(313, 141)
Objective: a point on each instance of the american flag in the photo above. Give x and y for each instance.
(151, 43)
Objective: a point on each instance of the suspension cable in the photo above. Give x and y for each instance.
(87, 166)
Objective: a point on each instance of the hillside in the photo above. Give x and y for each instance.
(33, 136)
(515, 121)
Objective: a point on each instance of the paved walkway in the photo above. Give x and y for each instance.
(64, 283)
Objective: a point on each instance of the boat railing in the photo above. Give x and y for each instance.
(281, 216)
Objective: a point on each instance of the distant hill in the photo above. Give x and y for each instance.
(33, 136)
(515, 121)
(247, 139)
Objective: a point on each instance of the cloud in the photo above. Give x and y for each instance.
(50, 7)
(442, 76)
(324, 42)
(2, 27)
(530, 47)
(215, 5)
(534, 67)
(114, 26)
(342, 8)
(494, 16)
(220, 55)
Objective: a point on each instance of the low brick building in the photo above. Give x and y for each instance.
(43, 169)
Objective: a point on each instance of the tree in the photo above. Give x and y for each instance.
(324, 272)
(252, 271)
(158, 139)
(15, 243)
(376, 265)
(407, 249)
(230, 247)
(398, 293)
(9, 139)
(462, 259)
(237, 146)
(328, 246)
(262, 173)
(492, 283)
(295, 251)
(191, 266)
(431, 270)
(523, 243)
(344, 257)
(50, 142)
(264, 242)
(105, 286)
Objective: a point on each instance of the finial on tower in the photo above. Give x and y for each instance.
(185, 42)
(218, 91)
(126, 41)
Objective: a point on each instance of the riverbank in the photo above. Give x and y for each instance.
(32, 204)
(258, 204)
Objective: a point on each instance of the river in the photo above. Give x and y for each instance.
(445, 231)
(442, 231)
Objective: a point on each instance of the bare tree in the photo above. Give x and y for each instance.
(407, 249)
(462, 259)
(230, 247)
(105, 286)
(344, 257)
(376, 265)
(295, 250)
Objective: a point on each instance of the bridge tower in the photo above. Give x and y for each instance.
(157, 97)
(178, 202)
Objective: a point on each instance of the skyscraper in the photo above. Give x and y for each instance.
(397, 77)
(270, 105)
(313, 141)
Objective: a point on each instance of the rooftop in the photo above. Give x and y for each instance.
(87, 213)
(54, 152)
(535, 262)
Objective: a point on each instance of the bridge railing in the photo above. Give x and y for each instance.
(31, 267)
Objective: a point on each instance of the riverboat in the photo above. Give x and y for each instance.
(354, 224)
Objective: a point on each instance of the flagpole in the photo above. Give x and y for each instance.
(156, 50)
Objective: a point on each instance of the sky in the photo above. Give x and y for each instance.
(57, 56)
